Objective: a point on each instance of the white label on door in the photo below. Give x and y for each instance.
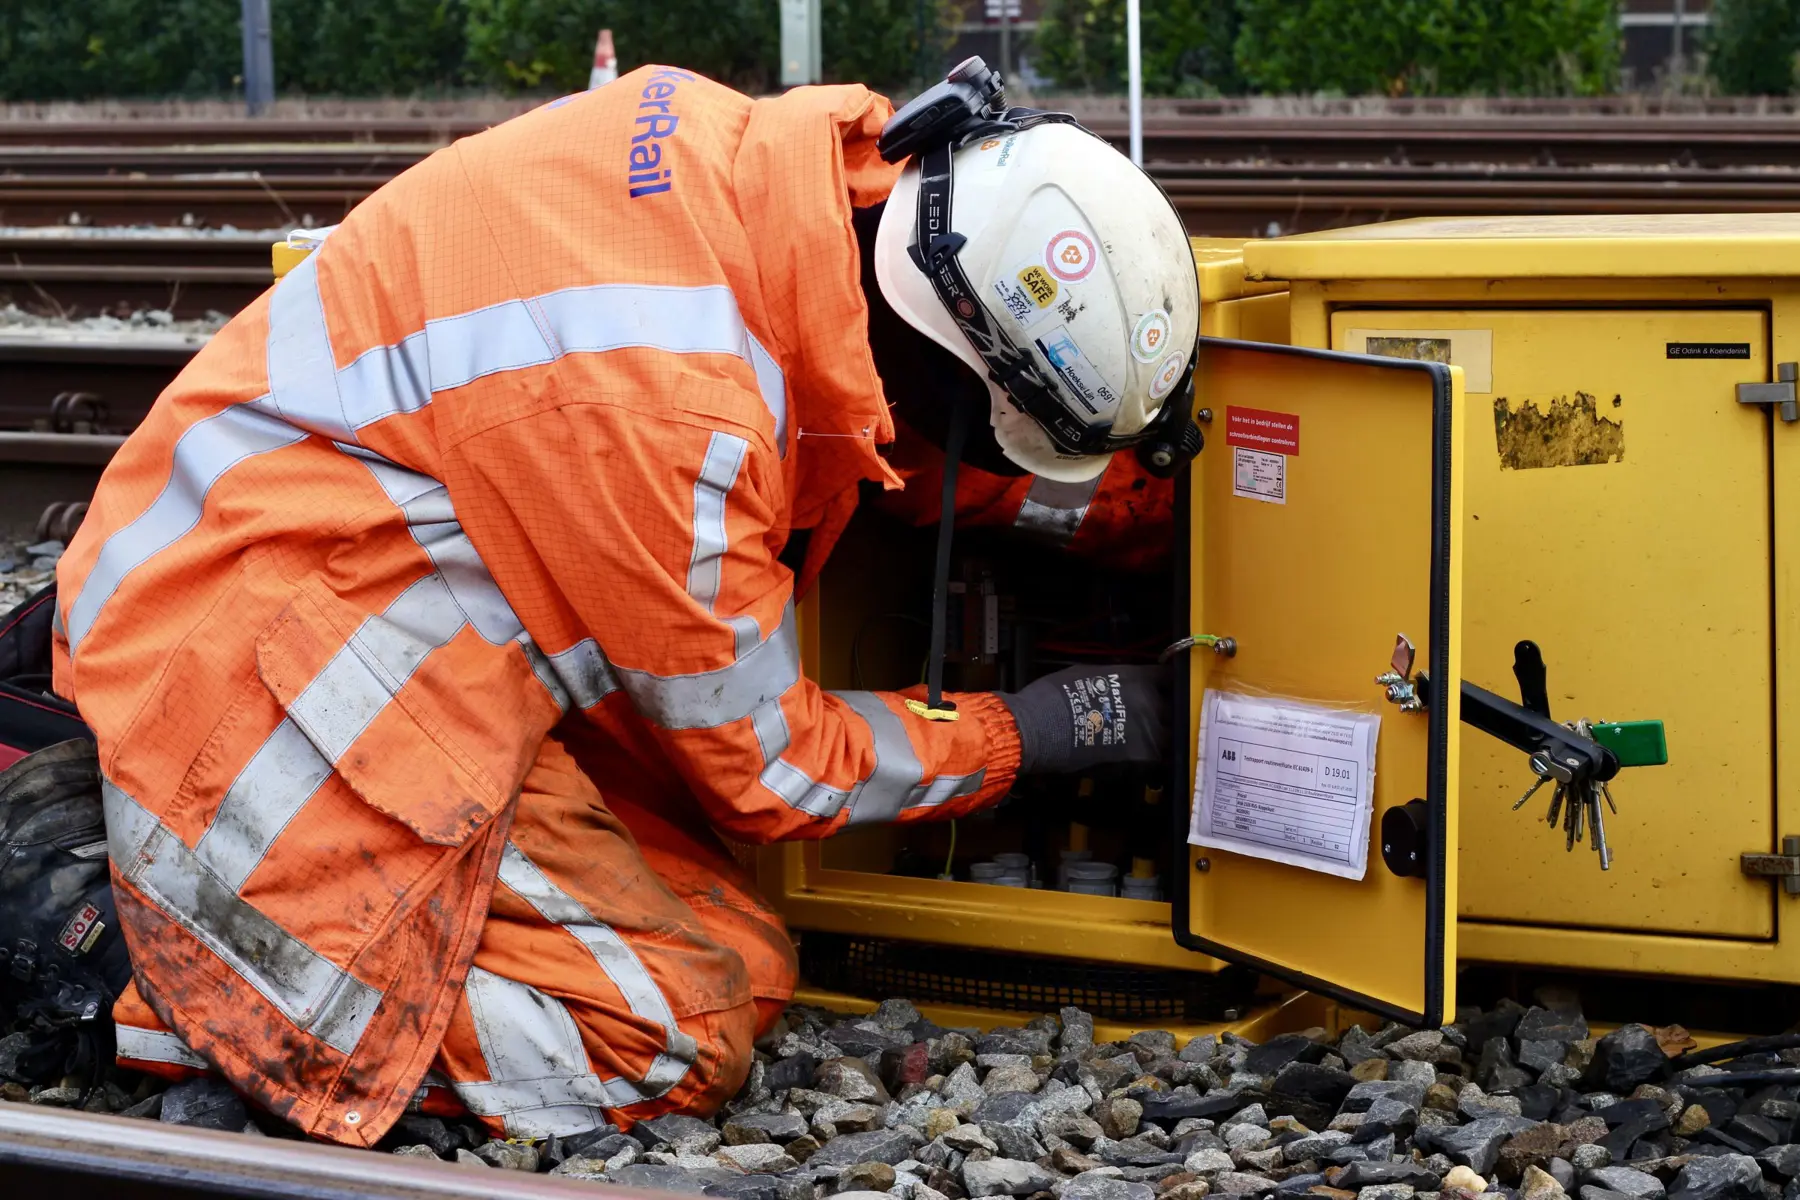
(1286, 781)
(1258, 475)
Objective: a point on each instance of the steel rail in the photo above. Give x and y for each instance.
(55, 1152)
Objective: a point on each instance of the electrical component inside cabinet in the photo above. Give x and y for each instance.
(1018, 610)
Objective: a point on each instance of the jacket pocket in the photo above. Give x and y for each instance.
(379, 703)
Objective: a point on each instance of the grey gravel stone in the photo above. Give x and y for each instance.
(205, 1103)
(1364, 1174)
(756, 1157)
(1427, 1045)
(666, 1179)
(1726, 1177)
(1637, 1184)
(508, 1156)
(1589, 1156)
(748, 1128)
(882, 1145)
(1475, 1145)
(1361, 1097)
(1093, 1186)
(1541, 1024)
(1239, 1183)
(1204, 1162)
(1005, 1177)
(1782, 1160)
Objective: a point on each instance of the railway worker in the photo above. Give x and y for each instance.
(440, 616)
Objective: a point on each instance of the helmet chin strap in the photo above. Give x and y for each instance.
(936, 708)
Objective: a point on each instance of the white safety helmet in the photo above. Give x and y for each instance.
(1061, 260)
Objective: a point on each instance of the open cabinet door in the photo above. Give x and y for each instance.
(1320, 523)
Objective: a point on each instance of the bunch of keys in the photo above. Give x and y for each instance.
(1576, 799)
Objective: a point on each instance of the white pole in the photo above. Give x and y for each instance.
(1134, 70)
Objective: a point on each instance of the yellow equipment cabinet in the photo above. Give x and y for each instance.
(1312, 592)
(1631, 512)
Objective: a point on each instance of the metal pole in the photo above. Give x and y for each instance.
(259, 58)
(1675, 56)
(1006, 39)
(1134, 72)
(799, 42)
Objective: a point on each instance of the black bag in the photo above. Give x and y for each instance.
(32, 716)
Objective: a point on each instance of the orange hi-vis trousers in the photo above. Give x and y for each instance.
(616, 936)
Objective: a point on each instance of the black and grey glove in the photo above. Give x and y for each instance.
(1088, 716)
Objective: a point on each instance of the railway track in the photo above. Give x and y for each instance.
(73, 273)
(1563, 134)
(1215, 198)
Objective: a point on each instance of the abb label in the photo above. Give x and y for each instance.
(1259, 429)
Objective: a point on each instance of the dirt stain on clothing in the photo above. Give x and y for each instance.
(1569, 433)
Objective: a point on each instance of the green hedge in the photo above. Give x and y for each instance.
(1187, 46)
(77, 49)
(1753, 45)
(1352, 47)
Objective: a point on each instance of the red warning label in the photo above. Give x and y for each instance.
(1259, 429)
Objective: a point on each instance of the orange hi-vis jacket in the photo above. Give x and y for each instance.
(518, 445)
(1124, 517)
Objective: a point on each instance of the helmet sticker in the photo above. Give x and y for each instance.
(1003, 144)
(1038, 285)
(1029, 294)
(1070, 255)
(1150, 336)
(1168, 374)
(1078, 373)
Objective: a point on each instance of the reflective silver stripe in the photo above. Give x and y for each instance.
(881, 794)
(617, 960)
(1053, 511)
(471, 345)
(540, 1081)
(203, 454)
(303, 375)
(283, 774)
(56, 621)
(896, 782)
(708, 699)
(308, 989)
(451, 352)
(718, 475)
(386, 380)
(801, 791)
(584, 671)
(773, 386)
(431, 519)
(377, 660)
(155, 1045)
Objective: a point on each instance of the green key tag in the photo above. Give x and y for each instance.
(1636, 743)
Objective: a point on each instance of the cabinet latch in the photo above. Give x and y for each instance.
(1784, 866)
(1780, 393)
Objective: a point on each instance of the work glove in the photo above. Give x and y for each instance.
(1089, 716)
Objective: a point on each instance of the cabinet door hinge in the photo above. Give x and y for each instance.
(1780, 393)
(1784, 866)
